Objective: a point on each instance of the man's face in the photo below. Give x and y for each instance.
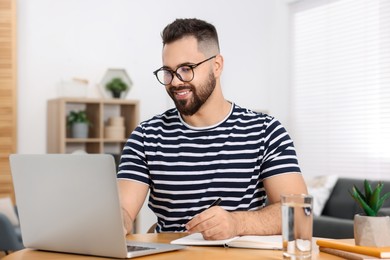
(189, 96)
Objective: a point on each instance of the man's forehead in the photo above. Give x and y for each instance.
(181, 52)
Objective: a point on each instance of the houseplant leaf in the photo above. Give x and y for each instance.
(367, 190)
(361, 200)
(375, 196)
(116, 86)
(77, 117)
(372, 201)
(383, 199)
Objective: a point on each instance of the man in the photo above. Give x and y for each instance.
(206, 148)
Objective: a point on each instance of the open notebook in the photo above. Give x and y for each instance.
(70, 203)
(255, 242)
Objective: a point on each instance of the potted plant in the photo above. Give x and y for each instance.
(78, 123)
(371, 229)
(116, 86)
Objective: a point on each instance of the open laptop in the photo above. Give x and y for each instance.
(70, 203)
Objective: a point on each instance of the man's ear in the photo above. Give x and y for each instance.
(218, 65)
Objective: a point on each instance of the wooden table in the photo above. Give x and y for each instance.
(191, 252)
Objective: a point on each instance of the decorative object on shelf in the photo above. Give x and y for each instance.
(115, 128)
(371, 230)
(73, 88)
(78, 123)
(116, 83)
(116, 86)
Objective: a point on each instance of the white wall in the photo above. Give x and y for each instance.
(62, 39)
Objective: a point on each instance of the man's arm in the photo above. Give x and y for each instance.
(217, 223)
(132, 195)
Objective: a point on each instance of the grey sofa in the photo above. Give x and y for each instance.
(336, 220)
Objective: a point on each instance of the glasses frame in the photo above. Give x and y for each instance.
(174, 72)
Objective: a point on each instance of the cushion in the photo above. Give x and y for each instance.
(320, 187)
(8, 210)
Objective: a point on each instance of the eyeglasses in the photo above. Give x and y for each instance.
(184, 72)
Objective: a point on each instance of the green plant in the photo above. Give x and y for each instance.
(77, 117)
(371, 201)
(116, 85)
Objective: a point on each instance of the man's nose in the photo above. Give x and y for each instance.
(176, 81)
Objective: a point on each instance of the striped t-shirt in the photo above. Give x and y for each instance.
(187, 168)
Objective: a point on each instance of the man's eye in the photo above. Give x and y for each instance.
(166, 72)
(184, 69)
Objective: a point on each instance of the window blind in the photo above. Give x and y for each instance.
(341, 87)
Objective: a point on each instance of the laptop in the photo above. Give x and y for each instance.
(69, 203)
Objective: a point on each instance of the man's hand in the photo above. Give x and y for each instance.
(217, 223)
(214, 223)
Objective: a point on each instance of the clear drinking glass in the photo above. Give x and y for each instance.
(297, 226)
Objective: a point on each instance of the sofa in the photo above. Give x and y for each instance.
(336, 217)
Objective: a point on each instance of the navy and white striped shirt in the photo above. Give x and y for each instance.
(187, 168)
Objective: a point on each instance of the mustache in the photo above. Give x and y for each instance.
(180, 88)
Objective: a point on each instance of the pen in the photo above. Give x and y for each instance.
(215, 203)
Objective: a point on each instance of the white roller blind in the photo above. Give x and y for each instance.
(341, 87)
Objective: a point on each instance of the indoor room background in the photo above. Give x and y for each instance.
(65, 39)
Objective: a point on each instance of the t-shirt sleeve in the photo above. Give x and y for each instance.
(279, 152)
(133, 165)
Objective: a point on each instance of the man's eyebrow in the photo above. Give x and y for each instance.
(185, 64)
(181, 64)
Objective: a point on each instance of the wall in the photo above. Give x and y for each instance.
(62, 39)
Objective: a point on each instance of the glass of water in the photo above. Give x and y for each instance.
(297, 226)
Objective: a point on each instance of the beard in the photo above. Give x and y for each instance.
(189, 107)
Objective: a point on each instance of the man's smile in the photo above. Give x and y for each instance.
(182, 93)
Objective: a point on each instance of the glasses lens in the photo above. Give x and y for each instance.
(164, 76)
(185, 73)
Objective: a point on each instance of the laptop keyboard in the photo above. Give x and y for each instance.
(137, 248)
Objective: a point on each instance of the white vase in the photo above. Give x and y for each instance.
(80, 130)
(372, 231)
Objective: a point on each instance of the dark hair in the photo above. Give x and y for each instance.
(204, 32)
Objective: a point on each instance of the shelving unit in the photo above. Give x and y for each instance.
(98, 112)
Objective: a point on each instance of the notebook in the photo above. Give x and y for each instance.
(254, 242)
(70, 203)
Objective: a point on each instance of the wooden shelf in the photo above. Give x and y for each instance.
(98, 112)
(115, 140)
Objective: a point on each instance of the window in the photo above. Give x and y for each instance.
(341, 87)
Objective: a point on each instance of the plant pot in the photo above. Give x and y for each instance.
(372, 231)
(116, 94)
(80, 130)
